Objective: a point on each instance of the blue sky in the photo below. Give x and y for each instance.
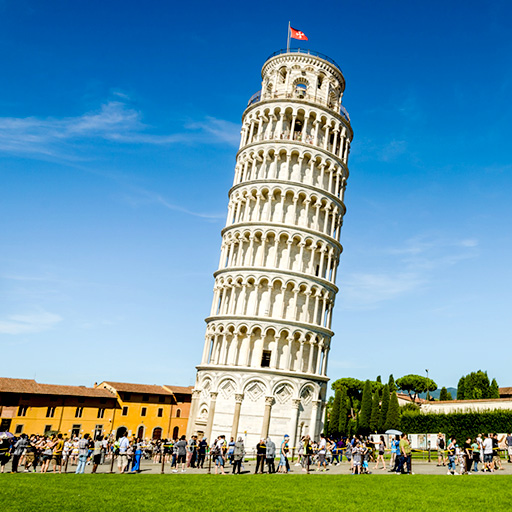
(119, 125)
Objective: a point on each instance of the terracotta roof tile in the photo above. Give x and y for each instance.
(32, 387)
(128, 387)
(505, 391)
(184, 390)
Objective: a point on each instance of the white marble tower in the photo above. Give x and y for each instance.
(263, 370)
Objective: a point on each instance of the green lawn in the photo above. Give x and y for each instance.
(255, 493)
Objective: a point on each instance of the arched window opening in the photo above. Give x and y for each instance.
(178, 413)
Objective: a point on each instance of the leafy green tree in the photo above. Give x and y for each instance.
(495, 390)
(366, 409)
(415, 384)
(449, 396)
(460, 389)
(378, 379)
(443, 395)
(334, 417)
(344, 412)
(477, 385)
(384, 408)
(393, 416)
(375, 417)
(391, 384)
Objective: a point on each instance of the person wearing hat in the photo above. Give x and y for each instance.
(441, 445)
(284, 465)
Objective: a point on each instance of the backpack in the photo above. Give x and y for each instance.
(441, 443)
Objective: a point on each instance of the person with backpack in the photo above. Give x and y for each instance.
(441, 445)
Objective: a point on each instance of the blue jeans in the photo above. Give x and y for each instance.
(451, 463)
(475, 465)
(82, 459)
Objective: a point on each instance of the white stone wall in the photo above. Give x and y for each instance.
(467, 405)
(268, 335)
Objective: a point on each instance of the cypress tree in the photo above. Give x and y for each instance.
(384, 408)
(393, 417)
(375, 417)
(334, 418)
(366, 409)
(443, 395)
(379, 380)
(391, 384)
(460, 389)
(495, 390)
(344, 410)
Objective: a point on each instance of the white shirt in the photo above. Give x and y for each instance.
(123, 445)
(322, 446)
(488, 446)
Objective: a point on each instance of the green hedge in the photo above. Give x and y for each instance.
(460, 425)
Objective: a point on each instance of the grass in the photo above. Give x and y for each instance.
(254, 493)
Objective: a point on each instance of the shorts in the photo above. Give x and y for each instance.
(381, 453)
(97, 458)
(4, 459)
(182, 459)
(321, 458)
(219, 461)
(510, 451)
(487, 457)
(46, 457)
(440, 453)
(57, 458)
(30, 458)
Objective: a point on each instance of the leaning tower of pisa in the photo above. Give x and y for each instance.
(263, 369)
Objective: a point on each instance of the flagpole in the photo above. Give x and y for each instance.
(288, 40)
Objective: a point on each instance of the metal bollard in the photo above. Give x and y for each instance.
(112, 463)
(209, 463)
(163, 464)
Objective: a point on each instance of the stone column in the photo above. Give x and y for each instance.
(236, 415)
(294, 421)
(196, 394)
(211, 414)
(314, 419)
(269, 401)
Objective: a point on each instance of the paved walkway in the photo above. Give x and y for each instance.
(148, 467)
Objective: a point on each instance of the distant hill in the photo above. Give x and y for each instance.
(437, 392)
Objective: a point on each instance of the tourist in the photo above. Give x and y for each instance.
(218, 454)
(508, 443)
(475, 449)
(488, 462)
(382, 450)
(122, 459)
(441, 445)
(47, 454)
(238, 456)
(181, 446)
(83, 451)
(495, 451)
(348, 454)
(96, 454)
(30, 455)
(468, 456)
(357, 459)
(395, 453)
(452, 453)
(322, 449)
(406, 455)
(5, 448)
(231, 450)
(284, 465)
(19, 447)
(137, 456)
(261, 453)
(58, 447)
(270, 455)
(201, 452)
(192, 452)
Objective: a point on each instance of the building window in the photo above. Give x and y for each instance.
(178, 413)
(265, 358)
(50, 412)
(78, 412)
(125, 411)
(143, 411)
(101, 412)
(160, 412)
(22, 410)
(145, 398)
(47, 428)
(19, 429)
(176, 432)
(161, 399)
(75, 431)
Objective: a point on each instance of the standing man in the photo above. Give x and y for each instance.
(261, 453)
(192, 446)
(201, 452)
(405, 453)
(58, 447)
(488, 463)
(271, 455)
(19, 448)
(122, 460)
(181, 445)
(441, 445)
(322, 450)
(83, 452)
(508, 442)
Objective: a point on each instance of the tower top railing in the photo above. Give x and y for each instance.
(306, 52)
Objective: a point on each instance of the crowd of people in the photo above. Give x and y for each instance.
(363, 454)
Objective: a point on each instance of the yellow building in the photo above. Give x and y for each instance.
(109, 408)
(32, 408)
(149, 411)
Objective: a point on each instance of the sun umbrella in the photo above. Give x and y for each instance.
(6, 435)
(393, 432)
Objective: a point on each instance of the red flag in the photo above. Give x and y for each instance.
(297, 34)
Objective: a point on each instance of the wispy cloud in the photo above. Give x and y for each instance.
(114, 121)
(410, 268)
(29, 323)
